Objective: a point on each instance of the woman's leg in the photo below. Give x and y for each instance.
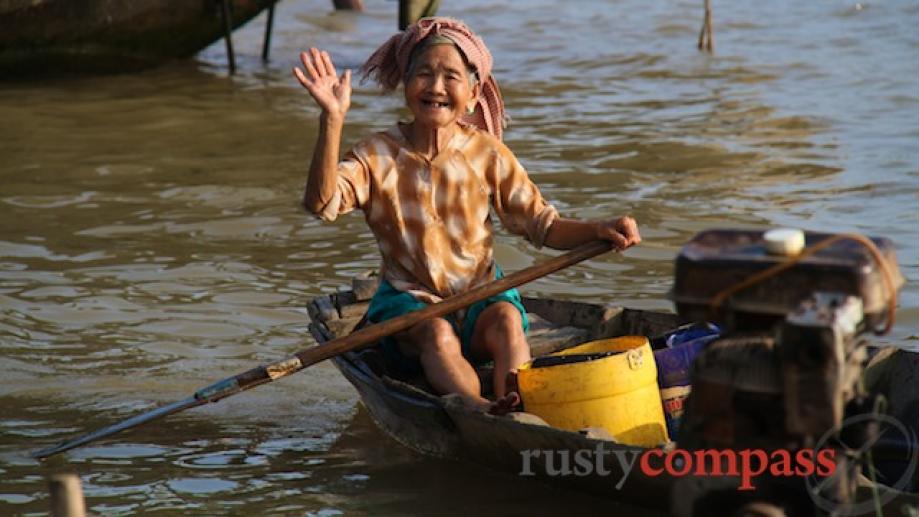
(499, 336)
(438, 349)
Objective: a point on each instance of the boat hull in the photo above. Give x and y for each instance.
(55, 37)
(418, 422)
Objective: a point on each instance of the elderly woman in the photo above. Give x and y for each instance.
(427, 188)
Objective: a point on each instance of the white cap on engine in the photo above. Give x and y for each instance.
(784, 241)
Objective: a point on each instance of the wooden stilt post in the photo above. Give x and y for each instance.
(66, 496)
(707, 35)
(410, 11)
(227, 31)
(348, 5)
(266, 44)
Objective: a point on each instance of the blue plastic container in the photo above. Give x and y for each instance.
(675, 352)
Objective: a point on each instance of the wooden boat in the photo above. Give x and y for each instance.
(54, 37)
(443, 427)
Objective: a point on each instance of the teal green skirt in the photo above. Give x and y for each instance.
(388, 303)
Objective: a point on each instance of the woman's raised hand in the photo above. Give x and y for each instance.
(331, 92)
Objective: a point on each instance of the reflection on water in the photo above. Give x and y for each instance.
(151, 239)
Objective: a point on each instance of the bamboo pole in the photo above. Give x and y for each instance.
(66, 496)
(226, 15)
(269, 25)
(707, 35)
(410, 11)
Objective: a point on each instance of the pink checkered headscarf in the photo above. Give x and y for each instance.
(389, 63)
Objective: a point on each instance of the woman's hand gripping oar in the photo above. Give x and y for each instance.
(362, 338)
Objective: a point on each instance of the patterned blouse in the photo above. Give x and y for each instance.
(431, 216)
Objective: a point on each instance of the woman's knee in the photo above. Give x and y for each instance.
(504, 322)
(436, 336)
(499, 332)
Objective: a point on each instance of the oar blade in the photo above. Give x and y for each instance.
(117, 428)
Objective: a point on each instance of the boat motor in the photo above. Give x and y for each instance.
(785, 373)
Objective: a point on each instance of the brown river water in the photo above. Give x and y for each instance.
(152, 242)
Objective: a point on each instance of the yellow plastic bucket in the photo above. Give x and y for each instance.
(617, 392)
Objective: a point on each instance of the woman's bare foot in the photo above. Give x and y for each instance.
(505, 404)
(510, 401)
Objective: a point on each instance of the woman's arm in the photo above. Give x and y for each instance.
(321, 184)
(333, 94)
(565, 234)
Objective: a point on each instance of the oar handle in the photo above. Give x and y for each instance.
(359, 339)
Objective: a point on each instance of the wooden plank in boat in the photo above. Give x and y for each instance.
(343, 326)
(545, 338)
(322, 309)
(566, 313)
(647, 323)
(364, 285)
(353, 310)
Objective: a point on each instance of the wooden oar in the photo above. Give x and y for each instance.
(359, 339)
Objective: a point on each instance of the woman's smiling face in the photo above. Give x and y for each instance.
(439, 88)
